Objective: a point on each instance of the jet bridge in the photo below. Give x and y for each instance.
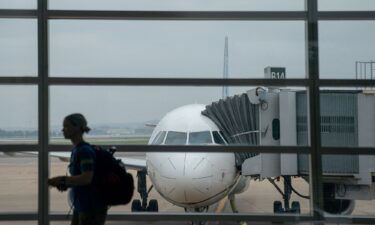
(278, 117)
(253, 119)
(237, 118)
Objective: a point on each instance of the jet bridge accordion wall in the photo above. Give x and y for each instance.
(238, 119)
(339, 128)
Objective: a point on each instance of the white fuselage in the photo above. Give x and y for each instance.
(190, 180)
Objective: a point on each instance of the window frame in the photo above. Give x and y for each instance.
(311, 16)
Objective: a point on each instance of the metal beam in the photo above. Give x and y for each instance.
(349, 219)
(12, 216)
(185, 81)
(176, 82)
(346, 15)
(18, 80)
(348, 151)
(162, 216)
(43, 115)
(191, 148)
(177, 15)
(312, 66)
(32, 216)
(346, 83)
(17, 14)
(182, 148)
(19, 148)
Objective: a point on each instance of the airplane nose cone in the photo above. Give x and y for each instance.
(189, 179)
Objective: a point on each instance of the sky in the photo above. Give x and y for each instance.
(178, 49)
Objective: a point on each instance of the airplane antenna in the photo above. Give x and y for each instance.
(225, 71)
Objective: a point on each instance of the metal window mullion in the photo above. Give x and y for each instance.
(177, 15)
(312, 65)
(17, 14)
(346, 83)
(348, 151)
(346, 15)
(176, 81)
(11, 216)
(194, 148)
(19, 148)
(43, 169)
(349, 219)
(180, 148)
(165, 216)
(18, 80)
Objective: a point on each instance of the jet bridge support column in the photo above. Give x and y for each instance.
(265, 164)
(288, 131)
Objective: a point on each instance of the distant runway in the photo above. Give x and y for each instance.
(18, 192)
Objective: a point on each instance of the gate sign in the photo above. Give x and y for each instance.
(275, 72)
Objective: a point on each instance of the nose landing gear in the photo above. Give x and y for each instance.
(137, 205)
(278, 206)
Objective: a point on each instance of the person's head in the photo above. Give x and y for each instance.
(75, 125)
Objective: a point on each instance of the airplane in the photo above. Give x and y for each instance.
(193, 181)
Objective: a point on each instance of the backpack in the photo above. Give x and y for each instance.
(111, 182)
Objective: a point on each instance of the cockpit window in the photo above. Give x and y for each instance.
(159, 138)
(176, 138)
(218, 138)
(202, 137)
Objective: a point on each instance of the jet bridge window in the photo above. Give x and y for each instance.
(202, 137)
(176, 138)
(159, 138)
(217, 138)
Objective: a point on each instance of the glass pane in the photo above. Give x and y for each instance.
(347, 117)
(126, 113)
(190, 5)
(346, 49)
(210, 173)
(19, 49)
(346, 5)
(217, 138)
(160, 138)
(176, 138)
(18, 4)
(263, 197)
(177, 49)
(203, 137)
(18, 183)
(59, 201)
(348, 185)
(19, 114)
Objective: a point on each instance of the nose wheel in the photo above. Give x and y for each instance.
(153, 206)
(140, 205)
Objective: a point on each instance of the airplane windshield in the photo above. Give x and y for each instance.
(176, 138)
(159, 138)
(217, 138)
(203, 137)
